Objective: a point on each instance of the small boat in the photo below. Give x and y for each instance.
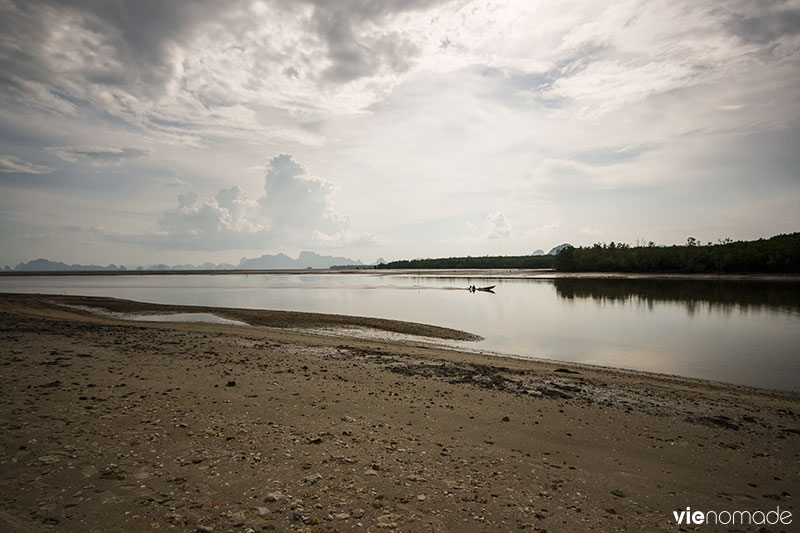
(473, 288)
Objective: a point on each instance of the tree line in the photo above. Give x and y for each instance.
(779, 254)
(503, 261)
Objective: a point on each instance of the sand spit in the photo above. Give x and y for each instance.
(112, 425)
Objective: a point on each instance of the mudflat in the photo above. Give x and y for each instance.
(115, 425)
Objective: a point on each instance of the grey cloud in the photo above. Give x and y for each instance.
(155, 64)
(356, 55)
(97, 156)
(120, 58)
(130, 45)
(12, 165)
(140, 34)
(765, 22)
(187, 200)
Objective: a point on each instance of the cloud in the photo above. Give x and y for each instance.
(219, 223)
(296, 199)
(100, 156)
(497, 227)
(544, 231)
(12, 165)
(345, 239)
(187, 71)
(296, 202)
(295, 211)
(590, 231)
(494, 228)
(355, 51)
(771, 21)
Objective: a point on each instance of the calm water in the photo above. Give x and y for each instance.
(747, 333)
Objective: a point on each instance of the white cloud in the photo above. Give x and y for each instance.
(544, 231)
(295, 211)
(11, 164)
(497, 227)
(225, 214)
(590, 231)
(294, 198)
(346, 239)
(98, 156)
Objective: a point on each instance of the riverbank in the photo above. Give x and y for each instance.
(113, 425)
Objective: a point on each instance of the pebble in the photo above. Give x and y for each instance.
(312, 478)
(173, 518)
(387, 521)
(273, 497)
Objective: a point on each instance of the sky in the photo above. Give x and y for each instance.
(140, 131)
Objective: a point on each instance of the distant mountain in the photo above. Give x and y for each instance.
(558, 248)
(45, 265)
(304, 260)
(538, 252)
(265, 262)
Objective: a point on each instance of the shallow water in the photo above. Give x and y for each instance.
(738, 332)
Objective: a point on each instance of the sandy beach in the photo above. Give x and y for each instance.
(115, 425)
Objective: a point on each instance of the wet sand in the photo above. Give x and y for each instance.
(115, 425)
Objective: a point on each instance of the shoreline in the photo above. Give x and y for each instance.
(119, 425)
(393, 332)
(498, 273)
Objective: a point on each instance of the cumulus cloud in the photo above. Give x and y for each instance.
(296, 198)
(497, 227)
(296, 202)
(12, 165)
(295, 211)
(219, 223)
(99, 156)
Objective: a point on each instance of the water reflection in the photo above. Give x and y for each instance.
(695, 295)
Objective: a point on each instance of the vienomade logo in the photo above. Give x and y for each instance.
(742, 518)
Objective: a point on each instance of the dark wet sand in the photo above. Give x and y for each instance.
(112, 425)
